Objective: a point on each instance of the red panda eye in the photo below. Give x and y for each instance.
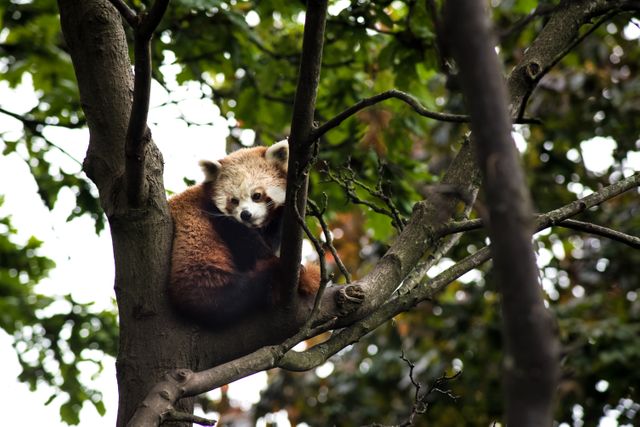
(256, 197)
(234, 201)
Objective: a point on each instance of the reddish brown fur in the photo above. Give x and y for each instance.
(221, 270)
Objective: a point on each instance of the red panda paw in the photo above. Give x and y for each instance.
(309, 279)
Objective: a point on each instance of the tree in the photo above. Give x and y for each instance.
(404, 45)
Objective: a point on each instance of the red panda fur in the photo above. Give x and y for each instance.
(223, 270)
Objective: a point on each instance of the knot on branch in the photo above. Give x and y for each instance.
(349, 298)
(533, 70)
(181, 375)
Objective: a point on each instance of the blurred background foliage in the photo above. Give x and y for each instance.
(243, 57)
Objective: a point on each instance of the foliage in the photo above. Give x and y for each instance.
(54, 337)
(32, 44)
(243, 56)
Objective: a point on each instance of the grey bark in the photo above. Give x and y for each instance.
(531, 354)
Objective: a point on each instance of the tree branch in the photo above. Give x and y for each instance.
(541, 10)
(420, 404)
(531, 356)
(301, 145)
(316, 212)
(536, 74)
(393, 93)
(556, 216)
(402, 257)
(126, 12)
(346, 179)
(406, 98)
(35, 126)
(428, 289)
(599, 230)
(561, 31)
(138, 134)
(587, 227)
(174, 415)
(317, 355)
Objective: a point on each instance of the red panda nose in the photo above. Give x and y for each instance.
(245, 215)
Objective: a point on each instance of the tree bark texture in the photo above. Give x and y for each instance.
(150, 338)
(531, 360)
(304, 107)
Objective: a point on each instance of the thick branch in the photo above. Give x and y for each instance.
(430, 288)
(138, 134)
(560, 32)
(317, 355)
(531, 359)
(300, 144)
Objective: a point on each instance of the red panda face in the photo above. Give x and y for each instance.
(249, 184)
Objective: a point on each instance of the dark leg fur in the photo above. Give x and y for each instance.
(219, 298)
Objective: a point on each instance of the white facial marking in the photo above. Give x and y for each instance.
(276, 194)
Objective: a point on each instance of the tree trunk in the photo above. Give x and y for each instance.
(151, 340)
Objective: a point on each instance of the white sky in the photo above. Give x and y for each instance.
(84, 260)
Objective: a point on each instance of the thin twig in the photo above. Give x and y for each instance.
(346, 179)
(599, 230)
(405, 97)
(324, 277)
(318, 214)
(34, 127)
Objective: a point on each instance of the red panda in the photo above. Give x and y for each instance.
(227, 234)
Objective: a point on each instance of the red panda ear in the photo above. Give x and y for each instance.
(278, 153)
(210, 169)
